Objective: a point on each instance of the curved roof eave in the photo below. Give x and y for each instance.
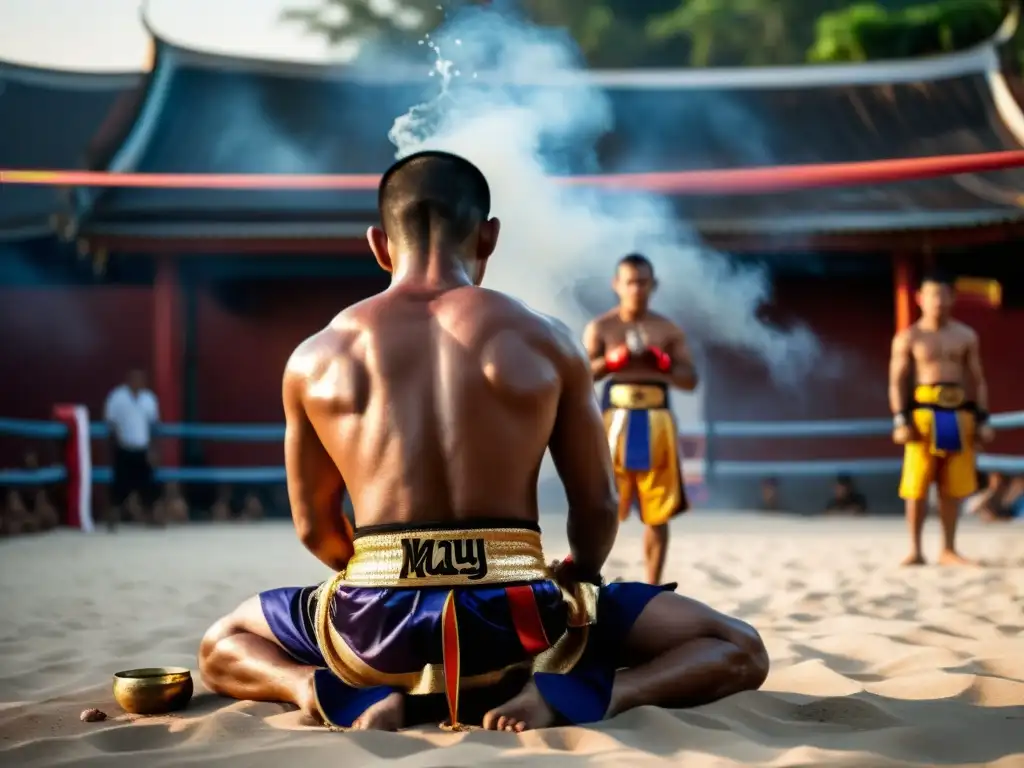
(982, 60)
(974, 60)
(157, 80)
(67, 79)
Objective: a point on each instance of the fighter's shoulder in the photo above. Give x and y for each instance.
(665, 324)
(603, 323)
(541, 329)
(905, 336)
(964, 331)
(504, 308)
(564, 340)
(316, 352)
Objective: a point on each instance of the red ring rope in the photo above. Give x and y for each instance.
(722, 181)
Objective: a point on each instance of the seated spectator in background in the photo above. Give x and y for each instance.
(846, 498)
(279, 505)
(172, 507)
(9, 522)
(17, 519)
(221, 511)
(252, 507)
(135, 510)
(41, 510)
(1013, 501)
(770, 501)
(986, 502)
(1001, 499)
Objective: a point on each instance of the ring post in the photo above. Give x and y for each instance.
(78, 462)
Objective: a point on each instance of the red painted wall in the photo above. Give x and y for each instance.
(62, 344)
(245, 338)
(854, 321)
(67, 345)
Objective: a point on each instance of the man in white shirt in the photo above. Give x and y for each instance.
(131, 411)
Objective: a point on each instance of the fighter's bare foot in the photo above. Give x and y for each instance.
(388, 714)
(951, 557)
(306, 701)
(914, 558)
(524, 712)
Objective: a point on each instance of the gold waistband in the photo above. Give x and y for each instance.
(638, 397)
(942, 395)
(446, 558)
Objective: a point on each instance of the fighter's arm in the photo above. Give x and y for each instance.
(315, 486)
(901, 370)
(594, 344)
(976, 374)
(580, 452)
(683, 373)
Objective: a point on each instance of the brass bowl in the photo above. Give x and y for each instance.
(153, 691)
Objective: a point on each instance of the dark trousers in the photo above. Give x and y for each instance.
(132, 474)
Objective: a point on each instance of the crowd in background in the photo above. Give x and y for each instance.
(31, 509)
(846, 499)
(35, 509)
(1000, 497)
(135, 496)
(174, 504)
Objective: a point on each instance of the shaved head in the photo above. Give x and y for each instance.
(433, 197)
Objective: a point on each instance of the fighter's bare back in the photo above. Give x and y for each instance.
(437, 406)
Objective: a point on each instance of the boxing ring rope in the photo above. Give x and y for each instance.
(734, 181)
(80, 476)
(71, 425)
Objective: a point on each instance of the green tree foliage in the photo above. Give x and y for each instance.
(867, 31)
(700, 33)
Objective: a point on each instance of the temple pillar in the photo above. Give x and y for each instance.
(905, 284)
(167, 350)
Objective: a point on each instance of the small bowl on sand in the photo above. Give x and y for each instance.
(153, 690)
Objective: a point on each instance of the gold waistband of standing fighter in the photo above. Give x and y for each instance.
(637, 397)
(940, 395)
(446, 558)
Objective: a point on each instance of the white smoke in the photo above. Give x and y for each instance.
(509, 92)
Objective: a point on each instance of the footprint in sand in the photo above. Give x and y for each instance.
(846, 711)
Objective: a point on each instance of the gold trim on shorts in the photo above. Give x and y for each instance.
(941, 395)
(637, 397)
(448, 558)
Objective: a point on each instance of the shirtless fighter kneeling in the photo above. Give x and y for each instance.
(433, 403)
(939, 401)
(642, 355)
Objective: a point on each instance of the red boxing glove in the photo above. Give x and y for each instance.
(616, 359)
(661, 359)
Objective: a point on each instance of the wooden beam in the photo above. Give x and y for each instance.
(168, 327)
(904, 283)
(879, 244)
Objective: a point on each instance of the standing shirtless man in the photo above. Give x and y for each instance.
(939, 402)
(433, 404)
(642, 354)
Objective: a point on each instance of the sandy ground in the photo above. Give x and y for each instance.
(872, 665)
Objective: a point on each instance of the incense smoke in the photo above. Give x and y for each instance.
(515, 100)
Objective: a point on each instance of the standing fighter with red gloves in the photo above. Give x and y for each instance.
(642, 355)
